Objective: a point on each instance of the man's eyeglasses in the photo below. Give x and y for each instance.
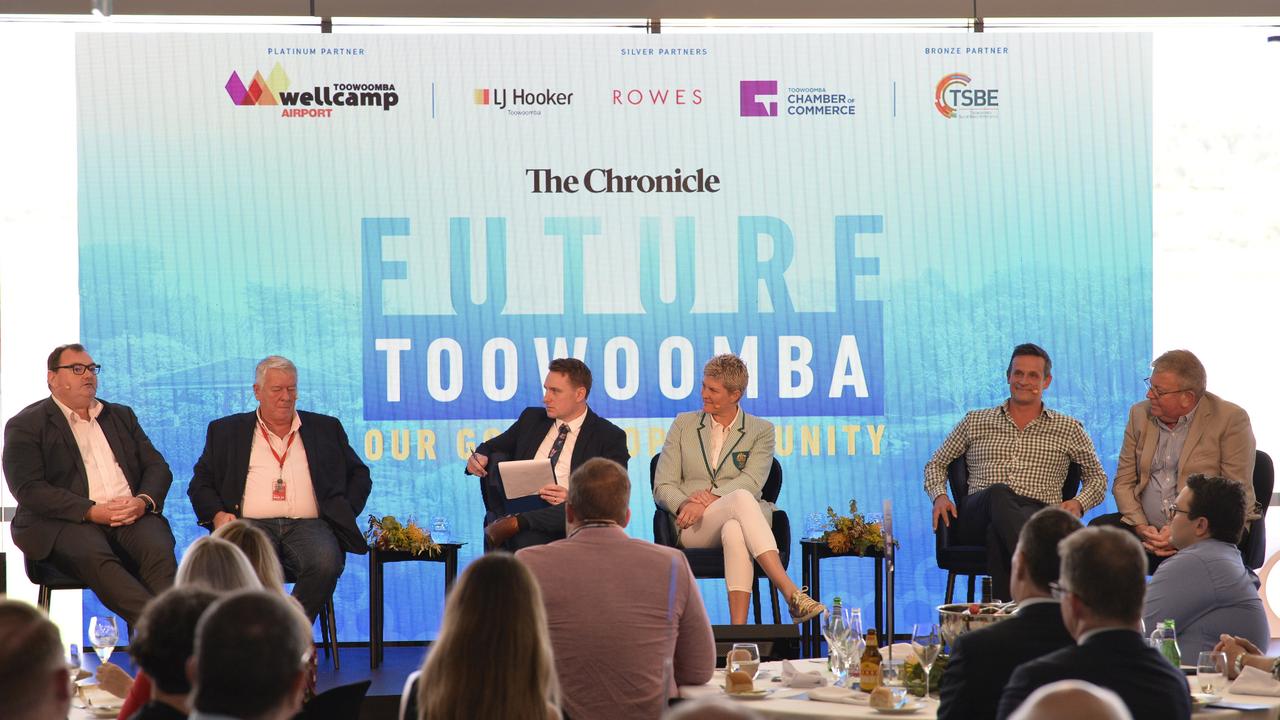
(1174, 510)
(1058, 590)
(79, 368)
(1161, 393)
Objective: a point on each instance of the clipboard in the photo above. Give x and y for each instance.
(522, 478)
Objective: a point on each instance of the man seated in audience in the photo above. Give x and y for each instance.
(161, 645)
(250, 660)
(1072, 700)
(566, 432)
(1206, 588)
(1178, 431)
(982, 660)
(35, 679)
(1102, 583)
(621, 610)
(1018, 454)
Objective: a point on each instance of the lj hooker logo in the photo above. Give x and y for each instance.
(521, 101)
(953, 98)
(318, 102)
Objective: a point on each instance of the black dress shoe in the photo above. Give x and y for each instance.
(501, 530)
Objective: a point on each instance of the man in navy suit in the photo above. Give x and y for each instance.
(982, 660)
(1104, 572)
(294, 475)
(566, 432)
(90, 487)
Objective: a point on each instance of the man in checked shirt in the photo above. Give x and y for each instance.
(1017, 454)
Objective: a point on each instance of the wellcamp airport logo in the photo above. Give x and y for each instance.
(760, 98)
(953, 98)
(318, 102)
(521, 101)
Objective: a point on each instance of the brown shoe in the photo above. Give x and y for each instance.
(501, 530)
(804, 607)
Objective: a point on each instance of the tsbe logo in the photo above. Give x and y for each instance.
(758, 98)
(522, 101)
(953, 98)
(318, 102)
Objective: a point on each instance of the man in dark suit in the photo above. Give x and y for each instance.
(565, 431)
(294, 475)
(982, 660)
(90, 488)
(1103, 582)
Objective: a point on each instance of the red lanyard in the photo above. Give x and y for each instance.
(279, 458)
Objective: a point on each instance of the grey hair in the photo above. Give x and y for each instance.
(274, 362)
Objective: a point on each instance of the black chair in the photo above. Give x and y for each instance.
(47, 577)
(1254, 545)
(708, 563)
(343, 701)
(491, 492)
(328, 625)
(971, 560)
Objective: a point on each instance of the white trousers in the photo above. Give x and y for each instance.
(735, 523)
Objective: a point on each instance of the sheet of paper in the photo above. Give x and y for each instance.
(521, 478)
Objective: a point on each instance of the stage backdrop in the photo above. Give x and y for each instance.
(422, 222)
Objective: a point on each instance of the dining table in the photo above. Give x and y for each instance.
(786, 702)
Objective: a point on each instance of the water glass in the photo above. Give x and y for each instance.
(104, 635)
(744, 657)
(1211, 671)
(440, 529)
(814, 526)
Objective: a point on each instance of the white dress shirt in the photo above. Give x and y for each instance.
(264, 470)
(720, 433)
(566, 454)
(106, 479)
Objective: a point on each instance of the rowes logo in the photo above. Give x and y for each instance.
(318, 102)
(518, 101)
(800, 101)
(954, 99)
(657, 96)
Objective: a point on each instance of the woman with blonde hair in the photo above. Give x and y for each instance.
(258, 548)
(492, 658)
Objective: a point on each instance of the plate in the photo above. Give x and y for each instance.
(908, 709)
(1199, 700)
(753, 695)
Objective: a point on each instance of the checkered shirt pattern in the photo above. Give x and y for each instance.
(1032, 461)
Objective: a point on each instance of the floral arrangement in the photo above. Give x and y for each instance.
(389, 534)
(853, 534)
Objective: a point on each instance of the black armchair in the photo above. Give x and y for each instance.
(708, 563)
(1254, 545)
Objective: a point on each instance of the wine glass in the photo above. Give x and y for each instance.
(104, 635)
(1211, 670)
(926, 641)
(744, 657)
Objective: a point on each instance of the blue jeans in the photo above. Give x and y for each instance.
(310, 555)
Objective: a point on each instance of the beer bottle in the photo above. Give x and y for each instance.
(870, 665)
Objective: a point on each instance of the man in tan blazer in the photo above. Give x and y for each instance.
(1178, 431)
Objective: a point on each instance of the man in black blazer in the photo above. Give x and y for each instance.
(90, 487)
(564, 430)
(1104, 573)
(982, 660)
(294, 475)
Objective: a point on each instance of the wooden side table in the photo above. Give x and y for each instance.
(812, 552)
(377, 559)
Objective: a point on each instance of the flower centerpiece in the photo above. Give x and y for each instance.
(388, 533)
(852, 535)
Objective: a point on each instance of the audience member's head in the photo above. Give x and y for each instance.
(712, 708)
(1208, 507)
(35, 679)
(163, 640)
(217, 565)
(1103, 579)
(257, 547)
(599, 490)
(1072, 700)
(1035, 561)
(493, 656)
(250, 660)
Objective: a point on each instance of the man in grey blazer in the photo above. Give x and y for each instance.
(709, 479)
(90, 487)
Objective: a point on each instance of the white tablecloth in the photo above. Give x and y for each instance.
(786, 702)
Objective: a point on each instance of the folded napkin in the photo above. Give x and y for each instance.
(1253, 681)
(901, 651)
(837, 695)
(791, 677)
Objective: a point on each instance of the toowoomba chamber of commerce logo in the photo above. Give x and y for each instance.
(954, 98)
(318, 101)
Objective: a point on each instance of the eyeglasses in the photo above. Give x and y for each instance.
(79, 368)
(1174, 510)
(1161, 393)
(1058, 590)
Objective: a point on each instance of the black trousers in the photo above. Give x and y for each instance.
(539, 527)
(124, 566)
(994, 517)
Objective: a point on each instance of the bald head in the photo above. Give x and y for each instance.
(1072, 700)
